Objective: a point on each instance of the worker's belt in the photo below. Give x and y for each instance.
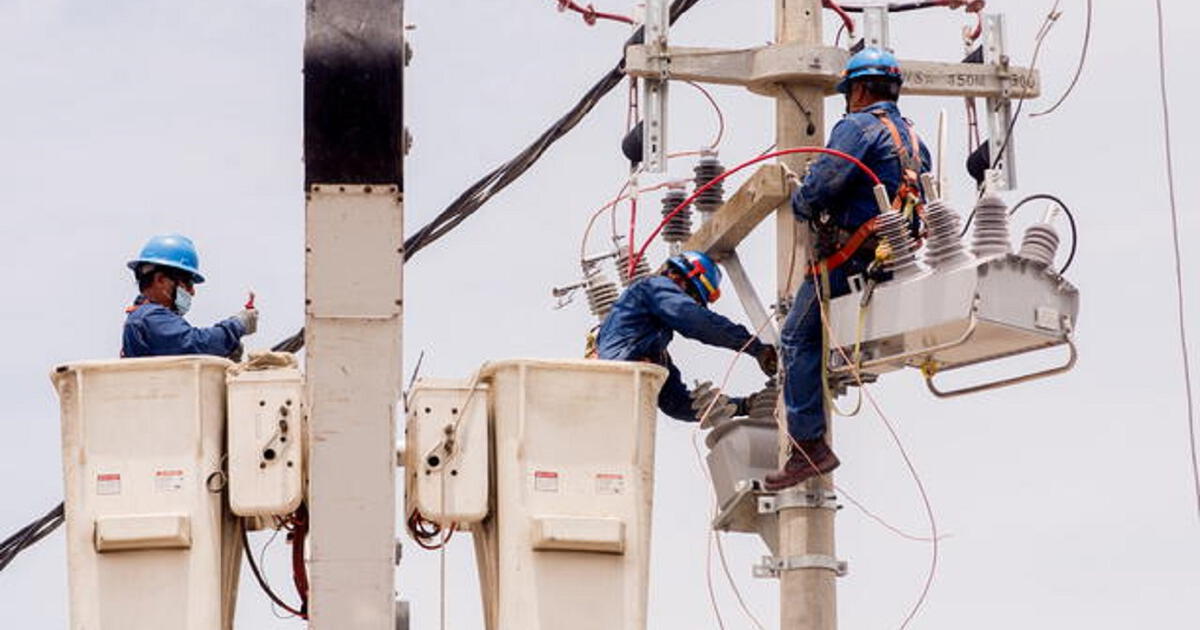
(863, 239)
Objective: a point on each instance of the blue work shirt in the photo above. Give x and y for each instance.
(153, 330)
(839, 187)
(643, 322)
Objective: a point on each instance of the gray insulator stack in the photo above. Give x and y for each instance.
(765, 402)
(1040, 244)
(641, 270)
(601, 294)
(944, 246)
(708, 169)
(893, 228)
(679, 228)
(991, 227)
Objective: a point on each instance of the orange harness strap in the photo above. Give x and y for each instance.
(838, 258)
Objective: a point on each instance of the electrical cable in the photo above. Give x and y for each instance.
(717, 109)
(499, 178)
(719, 178)
(1070, 221)
(971, 6)
(1051, 19)
(30, 535)
(1083, 52)
(847, 21)
(590, 14)
(1170, 171)
(262, 581)
(934, 539)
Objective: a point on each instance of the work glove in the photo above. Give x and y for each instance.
(768, 360)
(707, 398)
(249, 319)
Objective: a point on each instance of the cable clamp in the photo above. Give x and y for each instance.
(772, 567)
(797, 498)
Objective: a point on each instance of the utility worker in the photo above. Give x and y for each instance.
(837, 201)
(644, 318)
(167, 272)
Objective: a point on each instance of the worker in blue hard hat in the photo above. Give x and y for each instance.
(836, 200)
(649, 312)
(167, 271)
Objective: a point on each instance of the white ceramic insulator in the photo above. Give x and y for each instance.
(991, 227)
(943, 247)
(1040, 244)
(893, 227)
(601, 293)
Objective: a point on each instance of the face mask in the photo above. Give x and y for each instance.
(183, 300)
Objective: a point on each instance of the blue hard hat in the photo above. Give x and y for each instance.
(170, 250)
(701, 272)
(870, 62)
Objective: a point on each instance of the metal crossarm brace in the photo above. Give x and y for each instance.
(771, 566)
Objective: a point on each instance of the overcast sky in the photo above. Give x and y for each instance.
(1068, 501)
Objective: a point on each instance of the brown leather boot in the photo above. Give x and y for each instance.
(816, 458)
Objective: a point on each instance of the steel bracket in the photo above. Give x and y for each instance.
(794, 498)
(771, 567)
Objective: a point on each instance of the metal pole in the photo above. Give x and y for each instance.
(807, 595)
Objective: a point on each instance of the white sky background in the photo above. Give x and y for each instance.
(1069, 500)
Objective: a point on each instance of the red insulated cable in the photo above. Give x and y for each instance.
(590, 14)
(837, 8)
(633, 260)
(632, 225)
(299, 568)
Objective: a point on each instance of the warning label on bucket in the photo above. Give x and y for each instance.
(108, 483)
(609, 483)
(545, 481)
(168, 480)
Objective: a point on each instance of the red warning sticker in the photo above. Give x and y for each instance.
(545, 481)
(168, 480)
(610, 483)
(108, 483)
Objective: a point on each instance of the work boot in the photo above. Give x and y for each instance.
(816, 458)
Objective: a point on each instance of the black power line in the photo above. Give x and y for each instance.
(499, 178)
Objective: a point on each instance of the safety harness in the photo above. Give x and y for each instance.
(907, 201)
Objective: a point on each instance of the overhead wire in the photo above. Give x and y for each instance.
(971, 6)
(719, 178)
(1179, 292)
(31, 534)
(934, 538)
(1083, 53)
(499, 178)
(1047, 24)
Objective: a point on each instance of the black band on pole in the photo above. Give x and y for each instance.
(353, 92)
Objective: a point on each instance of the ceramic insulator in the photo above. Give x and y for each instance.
(765, 402)
(893, 228)
(679, 228)
(1040, 244)
(944, 246)
(601, 293)
(641, 270)
(707, 169)
(991, 227)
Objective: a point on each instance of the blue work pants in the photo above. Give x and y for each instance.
(803, 396)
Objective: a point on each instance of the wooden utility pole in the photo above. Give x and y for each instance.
(807, 590)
